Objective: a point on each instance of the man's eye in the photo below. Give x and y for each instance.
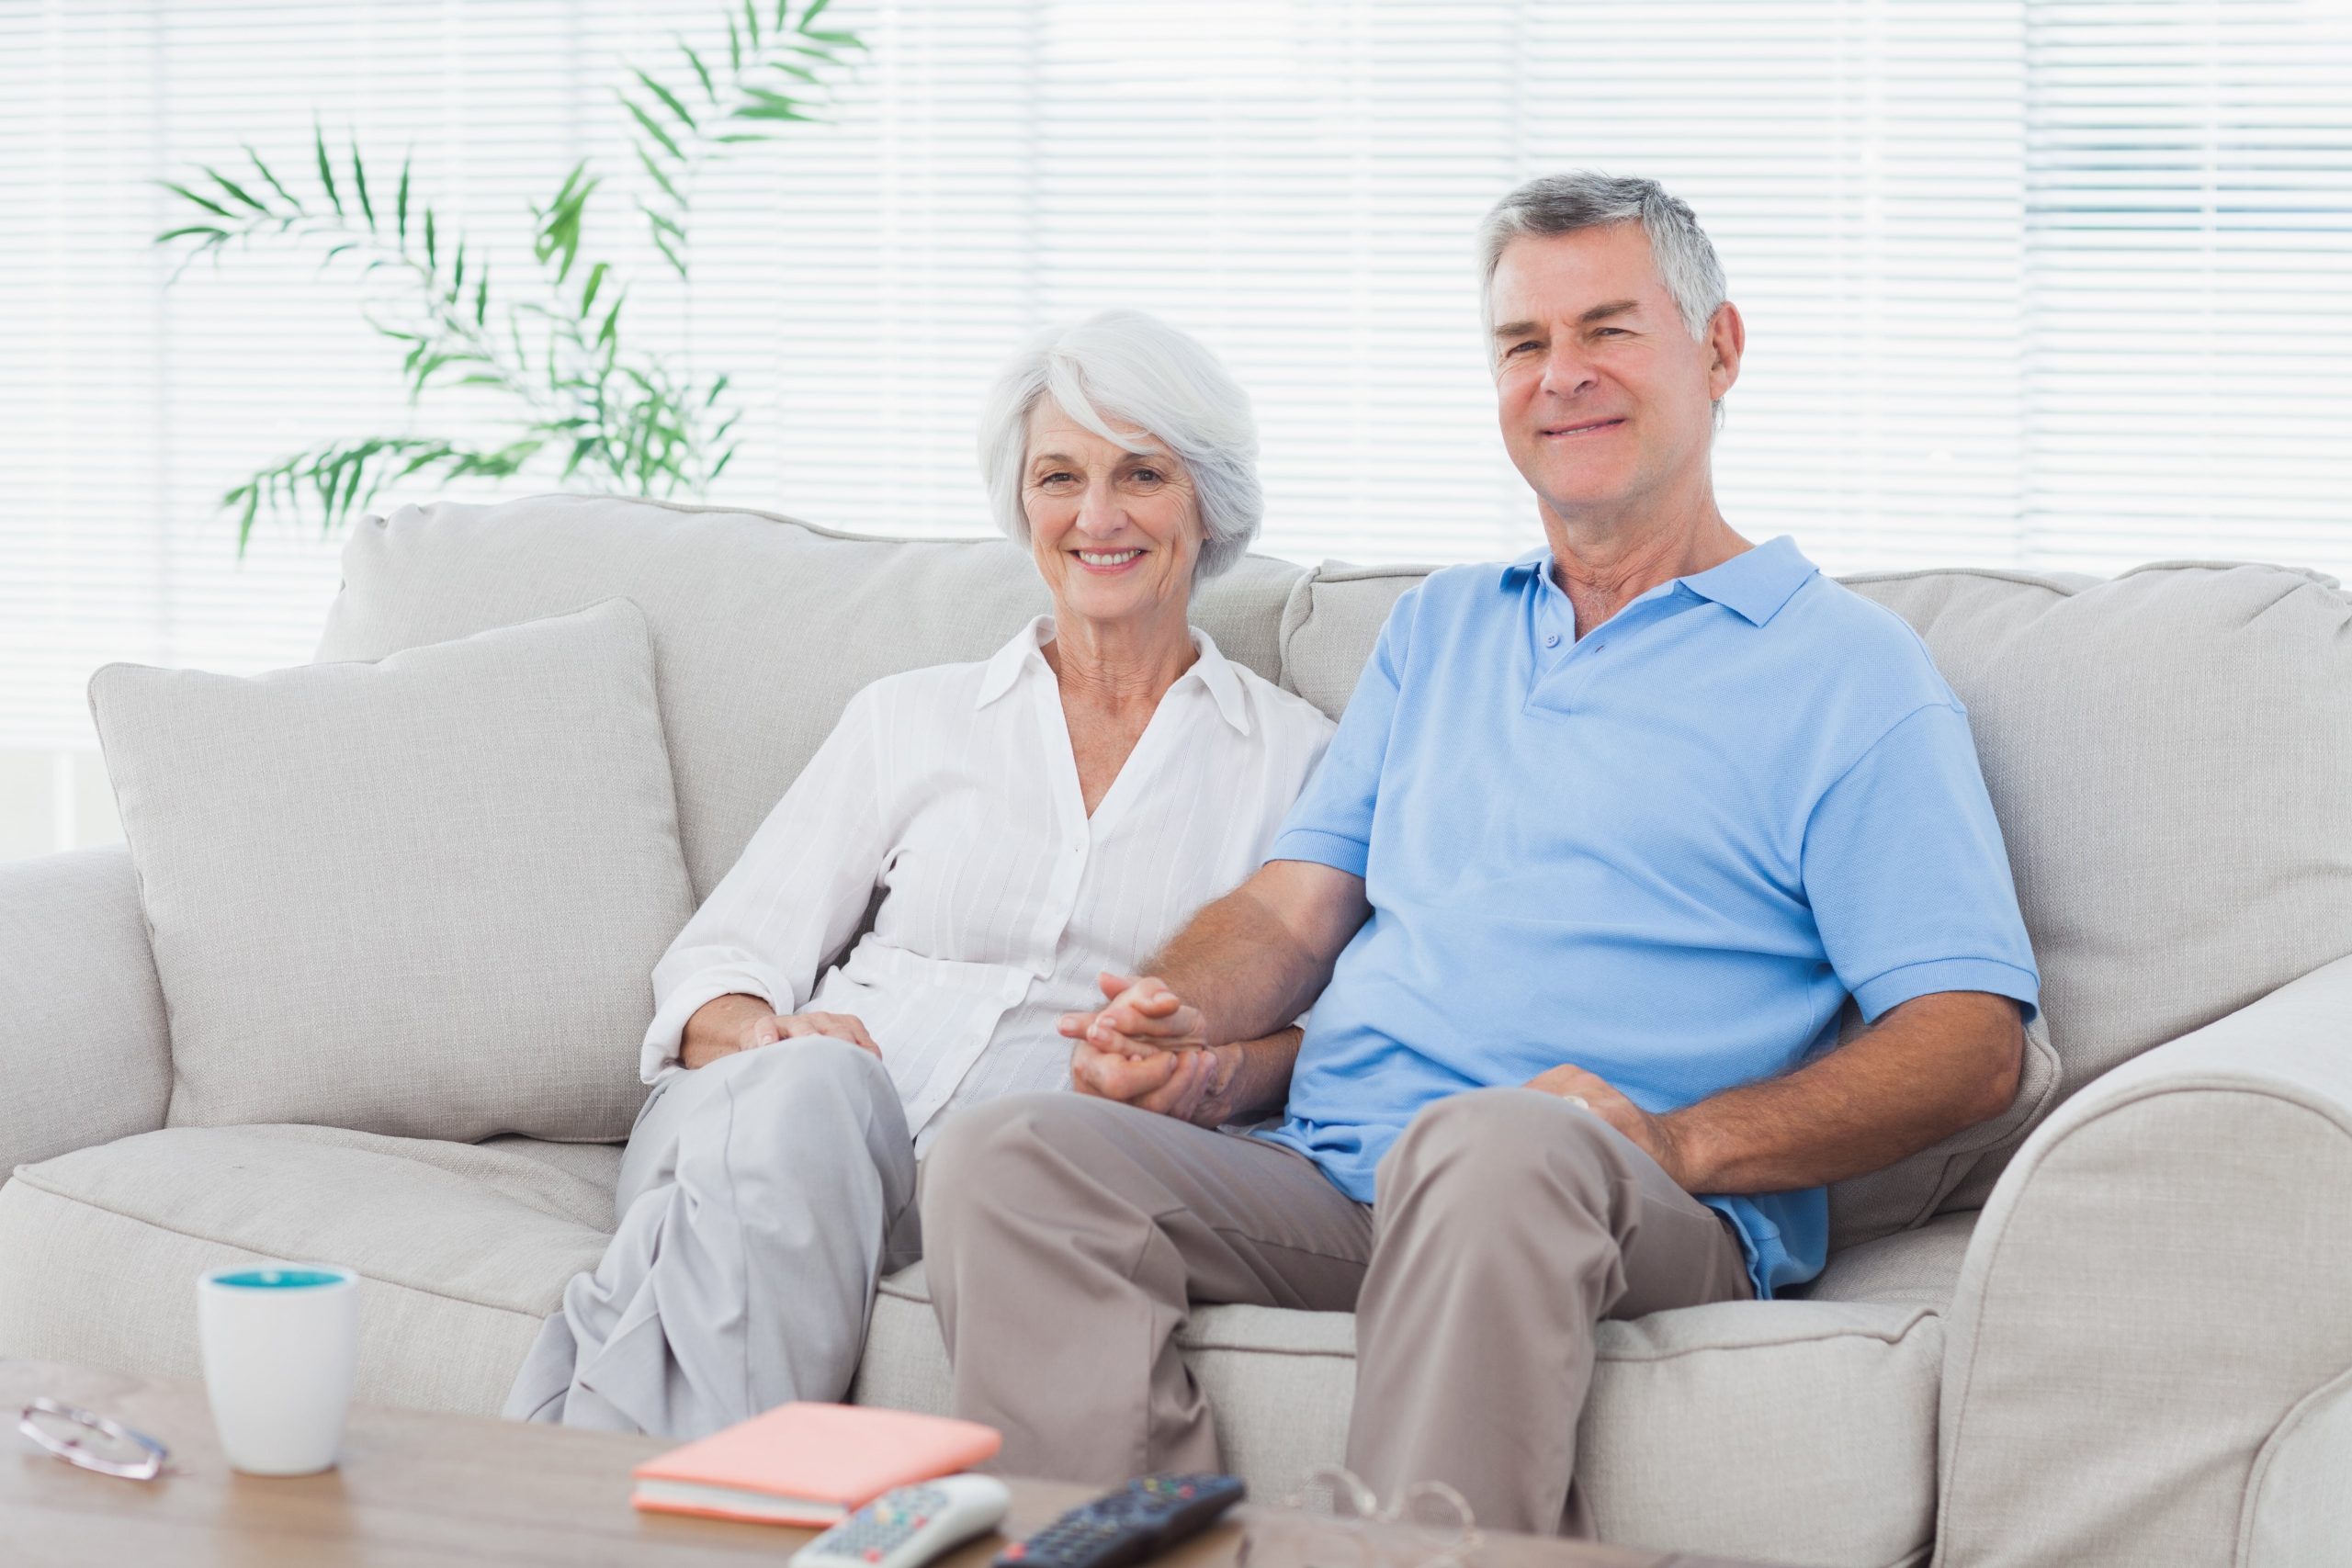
(1520, 347)
(1606, 332)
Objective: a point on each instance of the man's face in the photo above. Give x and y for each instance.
(1604, 397)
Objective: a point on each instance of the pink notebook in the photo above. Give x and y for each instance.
(809, 1464)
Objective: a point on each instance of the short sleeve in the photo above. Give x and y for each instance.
(1331, 823)
(1908, 876)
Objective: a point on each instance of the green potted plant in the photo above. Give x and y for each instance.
(579, 400)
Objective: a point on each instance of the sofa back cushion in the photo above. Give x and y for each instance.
(2169, 753)
(418, 897)
(763, 626)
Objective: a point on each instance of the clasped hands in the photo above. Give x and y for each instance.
(1146, 1048)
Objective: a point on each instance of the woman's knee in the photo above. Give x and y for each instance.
(795, 1079)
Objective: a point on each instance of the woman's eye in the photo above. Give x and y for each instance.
(1147, 476)
(1057, 477)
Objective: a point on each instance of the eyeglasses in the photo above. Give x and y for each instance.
(1335, 1521)
(91, 1440)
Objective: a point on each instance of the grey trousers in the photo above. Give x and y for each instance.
(1068, 1237)
(761, 1199)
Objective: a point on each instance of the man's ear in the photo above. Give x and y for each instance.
(1726, 342)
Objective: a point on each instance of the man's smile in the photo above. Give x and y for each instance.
(1579, 427)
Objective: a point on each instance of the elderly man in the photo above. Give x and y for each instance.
(1606, 838)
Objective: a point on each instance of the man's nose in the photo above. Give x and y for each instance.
(1565, 372)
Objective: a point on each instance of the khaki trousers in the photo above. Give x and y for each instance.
(1068, 1237)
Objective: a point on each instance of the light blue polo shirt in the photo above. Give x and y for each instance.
(1665, 852)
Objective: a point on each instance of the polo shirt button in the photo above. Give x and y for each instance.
(1551, 639)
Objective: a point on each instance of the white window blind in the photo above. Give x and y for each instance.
(2026, 283)
(2189, 283)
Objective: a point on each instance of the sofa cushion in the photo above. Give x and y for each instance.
(1909, 1267)
(463, 1250)
(763, 626)
(1804, 1432)
(2168, 753)
(421, 897)
(1801, 1431)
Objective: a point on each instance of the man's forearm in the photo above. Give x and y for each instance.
(1257, 1081)
(1246, 971)
(1926, 1070)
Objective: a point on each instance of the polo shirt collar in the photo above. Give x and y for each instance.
(1212, 670)
(1753, 584)
(1756, 582)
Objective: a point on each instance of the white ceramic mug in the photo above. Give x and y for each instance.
(280, 1342)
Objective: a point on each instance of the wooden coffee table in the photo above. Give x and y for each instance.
(417, 1488)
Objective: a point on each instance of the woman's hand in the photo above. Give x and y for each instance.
(725, 1025)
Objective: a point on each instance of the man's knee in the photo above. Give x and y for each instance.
(1503, 1145)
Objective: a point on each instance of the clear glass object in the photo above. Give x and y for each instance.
(1335, 1521)
(93, 1441)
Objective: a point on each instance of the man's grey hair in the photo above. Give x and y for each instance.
(1136, 369)
(1562, 204)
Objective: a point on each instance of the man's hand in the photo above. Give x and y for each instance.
(1142, 1018)
(1649, 1134)
(725, 1025)
(1191, 1083)
(1143, 1049)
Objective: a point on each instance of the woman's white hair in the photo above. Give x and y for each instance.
(1136, 369)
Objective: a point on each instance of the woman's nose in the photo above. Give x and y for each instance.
(1098, 513)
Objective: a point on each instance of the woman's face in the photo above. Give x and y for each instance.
(1114, 533)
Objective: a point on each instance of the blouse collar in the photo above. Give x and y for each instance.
(1025, 652)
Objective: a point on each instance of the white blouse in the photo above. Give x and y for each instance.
(953, 790)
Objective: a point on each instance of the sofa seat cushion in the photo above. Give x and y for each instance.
(1913, 1268)
(1804, 1432)
(463, 1248)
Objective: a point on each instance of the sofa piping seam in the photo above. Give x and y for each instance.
(1920, 1315)
(2258, 1472)
(819, 529)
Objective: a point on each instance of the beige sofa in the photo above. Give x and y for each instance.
(2113, 1327)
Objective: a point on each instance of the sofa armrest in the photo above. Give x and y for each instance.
(2148, 1346)
(84, 1054)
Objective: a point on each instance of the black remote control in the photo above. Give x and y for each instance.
(1141, 1520)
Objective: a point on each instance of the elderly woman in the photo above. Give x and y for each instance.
(1036, 824)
